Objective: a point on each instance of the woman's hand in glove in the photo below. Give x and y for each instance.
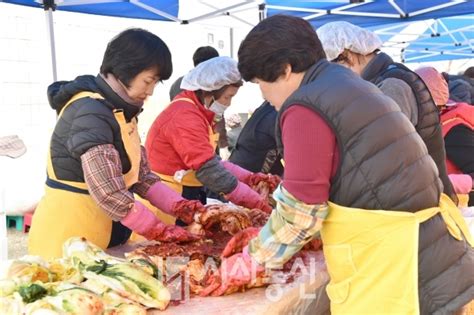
(239, 241)
(236, 271)
(271, 181)
(185, 210)
(169, 233)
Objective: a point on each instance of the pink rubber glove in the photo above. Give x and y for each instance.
(242, 174)
(169, 201)
(462, 183)
(244, 196)
(163, 197)
(251, 179)
(141, 220)
(235, 271)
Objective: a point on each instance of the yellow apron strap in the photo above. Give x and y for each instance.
(452, 217)
(130, 139)
(213, 138)
(189, 179)
(455, 222)
(131, 142)
(49, 166)
(78, 96)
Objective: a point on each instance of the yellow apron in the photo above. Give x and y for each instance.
(372, 256)
(176, 183)
(68, 210)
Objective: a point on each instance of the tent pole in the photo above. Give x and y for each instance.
(3, 227)
(262, 12)
(50, 28)
(231, 35)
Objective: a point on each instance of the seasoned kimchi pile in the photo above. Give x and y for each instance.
(199, 260)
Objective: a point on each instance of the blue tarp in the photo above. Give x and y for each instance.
(367, 13)
(441, 39)
(451, 36)
(455, 44)
(164, 10)
(370, 13)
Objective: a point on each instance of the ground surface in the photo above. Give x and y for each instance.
(17, 243)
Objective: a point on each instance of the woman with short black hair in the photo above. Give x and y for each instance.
(96, 162)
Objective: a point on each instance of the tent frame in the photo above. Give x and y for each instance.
(311, 13)
(343, 10)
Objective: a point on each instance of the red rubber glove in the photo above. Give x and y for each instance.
(185, 210)
(272, 181)
(244, 196)
(237, 243)
(169, 233)
(251, 179)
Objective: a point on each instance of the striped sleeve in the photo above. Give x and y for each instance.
(146, 178)
(103, 175)
(291, 225)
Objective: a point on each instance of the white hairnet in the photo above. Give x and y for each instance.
(212, 74)
(337, 36)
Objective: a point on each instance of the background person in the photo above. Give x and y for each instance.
(461, 87)
(358, 49)
(457, 120)
(256, 148)
(181, 141)
(201, 54)
(234, 124)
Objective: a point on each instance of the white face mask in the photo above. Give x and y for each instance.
(218, 109)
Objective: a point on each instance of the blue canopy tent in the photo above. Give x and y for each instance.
(440, 39)
(448, 38)
(369, 13)
(448, 33)
(164, 10)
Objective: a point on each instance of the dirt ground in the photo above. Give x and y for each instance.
(17, 243)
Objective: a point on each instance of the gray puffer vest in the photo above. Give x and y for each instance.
(428, 125)
(384, 165)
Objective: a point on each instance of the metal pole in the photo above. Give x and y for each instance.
(262, 14)
(50, 28)
(3, 227)
(231, 35)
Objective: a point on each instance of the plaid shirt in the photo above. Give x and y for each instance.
(103, 175)
(289, 228)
